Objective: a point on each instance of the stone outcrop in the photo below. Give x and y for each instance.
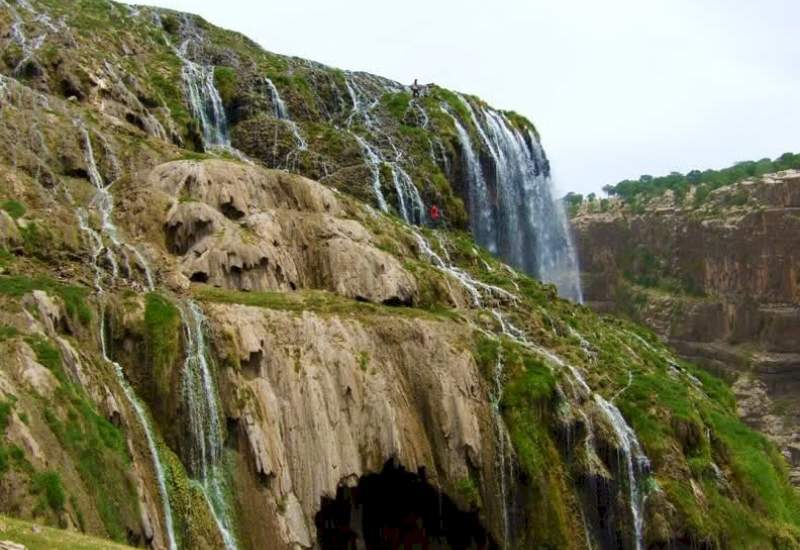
(241, 227)
(719, 282)
(324, 401)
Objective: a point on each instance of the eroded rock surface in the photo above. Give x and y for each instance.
(241, 227)
(323, 401)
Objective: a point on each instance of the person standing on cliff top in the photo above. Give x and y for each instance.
(415, 88)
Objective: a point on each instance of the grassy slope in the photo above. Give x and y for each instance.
(37, 537)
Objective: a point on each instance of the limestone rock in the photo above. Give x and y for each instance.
(237, 226)
(323, 401)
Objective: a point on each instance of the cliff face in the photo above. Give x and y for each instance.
(199, 350)
(719, 282)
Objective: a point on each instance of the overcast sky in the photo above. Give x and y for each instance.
(617, 88)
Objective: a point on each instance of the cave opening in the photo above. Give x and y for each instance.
(397, 509)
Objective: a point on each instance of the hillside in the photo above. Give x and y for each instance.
(205, 347)
(717, 281)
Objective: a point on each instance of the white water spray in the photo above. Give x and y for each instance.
(104, 202)
(524, 224)
(205, 101)
(282, 113)
(200, 396)
(636, 463)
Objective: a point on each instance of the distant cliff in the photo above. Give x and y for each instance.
(717, 278)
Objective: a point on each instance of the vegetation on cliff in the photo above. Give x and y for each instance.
(704, 181)
(343, 339)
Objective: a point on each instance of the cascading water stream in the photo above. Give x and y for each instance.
(374, 164)
(144, 421)
(476, 289)
(204, 101)
(410, 205)
(636, 463)
(282, 113)
(480, 206)
(206, 445)
(104, 202)
(524, 224)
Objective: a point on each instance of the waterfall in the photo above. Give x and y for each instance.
(410, 204)
(206, 445)
(28, 46)
(282, 113)
(474, 287)
(525, 224)
(144, 422)
(481, 214)
(204, 100)
(104, 201)
(501, 433)
(636, 463)
(374, 164)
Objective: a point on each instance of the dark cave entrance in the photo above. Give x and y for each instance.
(397, 509)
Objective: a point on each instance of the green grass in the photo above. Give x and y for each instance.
(74, 297)
(14, 208)
(97, 448)
(226, 83)
(162, 322)
(7, 332)
(468, 490)
(47, 355)
(100, 453)
(47, 538)
(319, 301)
(396, 103)
(5, 414)
(48, 485)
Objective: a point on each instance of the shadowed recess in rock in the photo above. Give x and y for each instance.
(397, 509)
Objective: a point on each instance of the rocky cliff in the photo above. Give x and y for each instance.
(200, 350)
(718, 281)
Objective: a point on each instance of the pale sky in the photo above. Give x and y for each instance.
(617, 88)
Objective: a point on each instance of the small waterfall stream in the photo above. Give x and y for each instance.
(104, 202)
(282, 113)
(410, 205)
(204, 101)
(206, 445)
(480, 216)
(374, 164)
(636, 464)
(634, 461)
(476, 289)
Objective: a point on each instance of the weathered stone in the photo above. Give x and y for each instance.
(323, 401)
(241, 227)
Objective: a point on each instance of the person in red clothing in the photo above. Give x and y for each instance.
(436, 215)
